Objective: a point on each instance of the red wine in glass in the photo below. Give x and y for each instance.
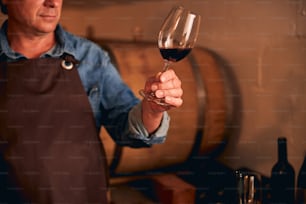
(174, 54)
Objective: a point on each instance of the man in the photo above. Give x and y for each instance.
(57, 90)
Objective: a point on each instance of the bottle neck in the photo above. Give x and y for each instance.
(282, 149)
(303, 167)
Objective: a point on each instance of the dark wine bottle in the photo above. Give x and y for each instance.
(301, 184)
(282, 176)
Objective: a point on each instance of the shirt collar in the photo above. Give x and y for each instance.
(4, 45)
(63, 44)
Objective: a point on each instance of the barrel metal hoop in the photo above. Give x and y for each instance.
(116, 160)
(201, 96)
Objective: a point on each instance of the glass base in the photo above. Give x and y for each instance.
(152, 98)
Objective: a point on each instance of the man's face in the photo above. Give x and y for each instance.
(35, 16)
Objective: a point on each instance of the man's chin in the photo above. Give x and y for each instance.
(46, 28)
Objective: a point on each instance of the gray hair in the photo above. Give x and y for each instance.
(3, 8)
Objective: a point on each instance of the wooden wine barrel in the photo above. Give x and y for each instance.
(197, 128)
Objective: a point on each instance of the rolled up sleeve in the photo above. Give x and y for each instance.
(138, 131)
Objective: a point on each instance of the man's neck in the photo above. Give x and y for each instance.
(31, 46)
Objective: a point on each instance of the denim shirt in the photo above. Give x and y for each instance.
(113, 103)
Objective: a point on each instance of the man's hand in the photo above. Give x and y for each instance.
(166, 86)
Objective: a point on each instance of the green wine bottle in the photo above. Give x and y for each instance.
(301, 184)
(282, 177)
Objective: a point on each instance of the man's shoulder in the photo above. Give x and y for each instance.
(79, 45)
(76, 40)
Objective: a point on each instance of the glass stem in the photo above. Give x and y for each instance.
(166, 65)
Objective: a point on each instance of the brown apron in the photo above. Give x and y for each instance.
(50, 150)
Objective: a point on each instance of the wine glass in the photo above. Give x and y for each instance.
(176, 38)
